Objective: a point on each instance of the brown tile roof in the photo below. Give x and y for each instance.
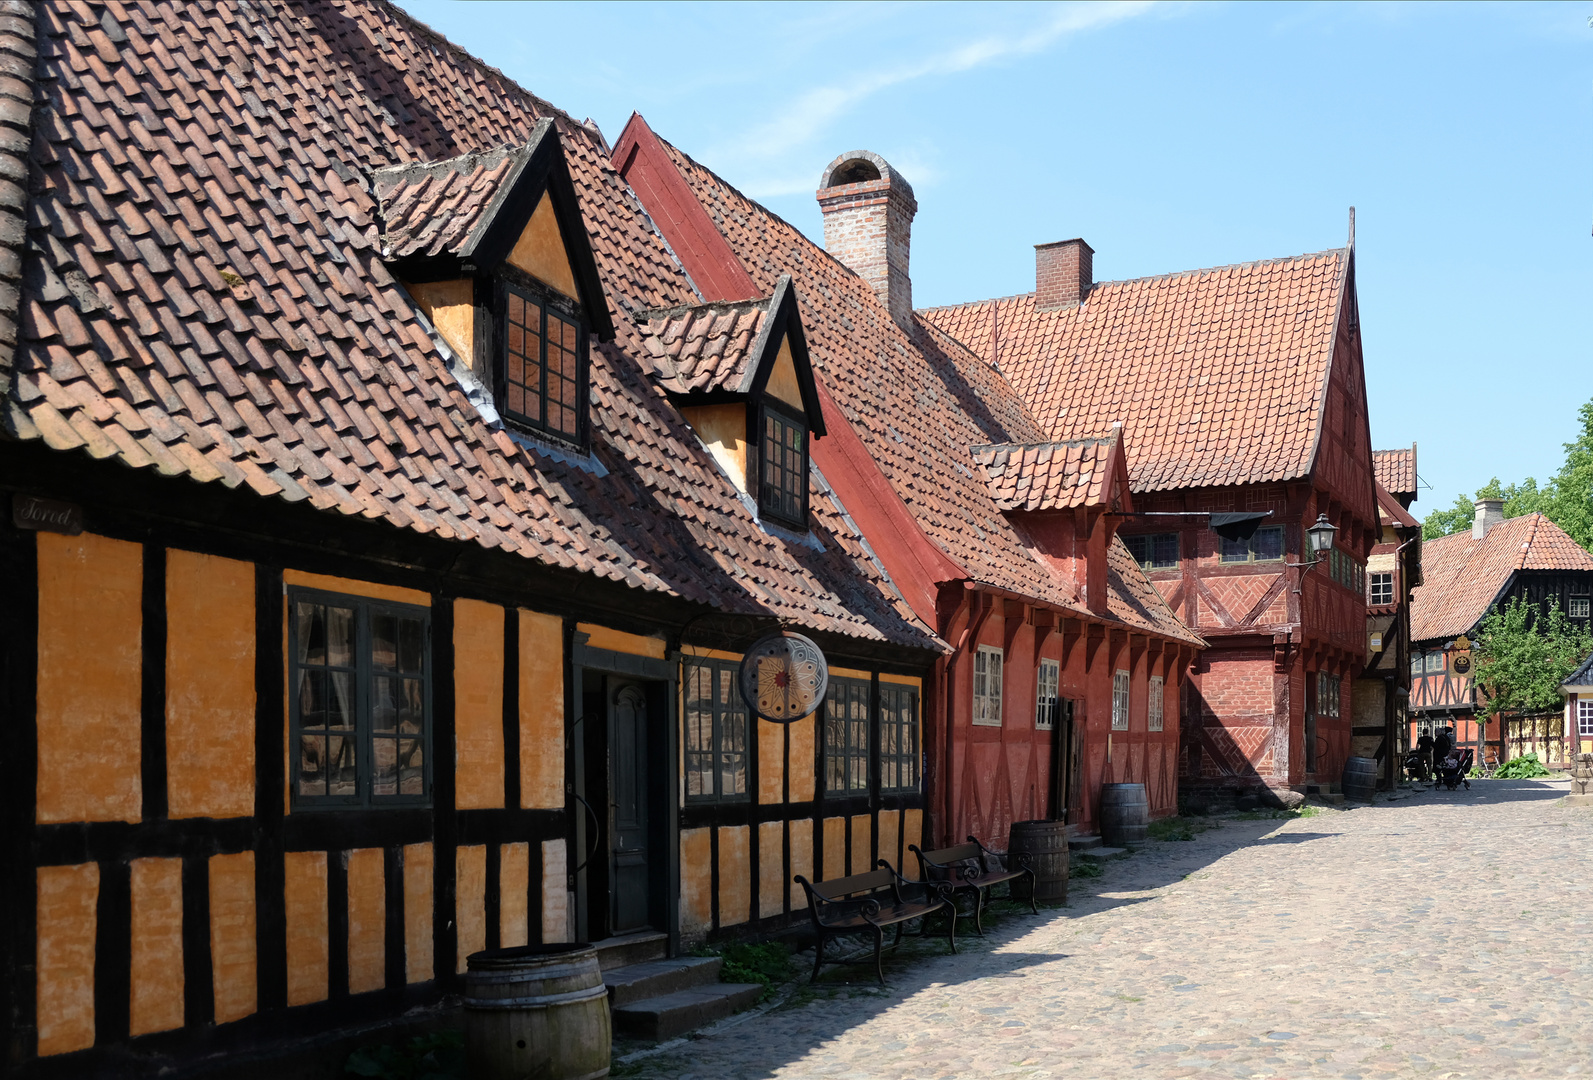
(441, 208)
(918, 403)
(211, 304)
(1048, 476)
(1396, 470)
(1218, 375)
(1463, 576)
(706, 347)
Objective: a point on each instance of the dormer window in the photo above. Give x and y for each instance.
(783, 452)
(541, 383)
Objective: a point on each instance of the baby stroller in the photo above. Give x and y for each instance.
(1453, 769)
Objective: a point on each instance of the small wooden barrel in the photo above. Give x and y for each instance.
(1125, 815)
(1360, 778)
(538, 1010)
(1046, 843)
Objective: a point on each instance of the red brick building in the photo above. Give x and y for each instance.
(1242, 390)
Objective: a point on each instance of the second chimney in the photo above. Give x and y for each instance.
(1490, 512)
(1063, 274)
(868, 225)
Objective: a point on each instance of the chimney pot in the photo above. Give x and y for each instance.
(868, 223)
(1490, 512)
(1064, 271)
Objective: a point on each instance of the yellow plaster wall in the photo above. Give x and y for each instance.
(232, 953)
(862, 844)
(209, 686)
(771, 868)
(912, 828)
(541, 711)
(418, 965)
(834, 863)
(555, 893)
(601, 637)
(540, 251)
(782, 382)
(156, 999)
(451, 308)
(723, 429)
(90, 678)
(904, 680)
(696, 884)
(803, 784)
(367, 921)
(470, 901)
(514, 885)
(771, 761)
(368, 589)
(68, 897)
(735, 875)
(304, 899)
(890, 849)
(851, 673)
(478, 705)
(801, 859)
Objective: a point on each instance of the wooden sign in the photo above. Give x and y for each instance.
(46, 515)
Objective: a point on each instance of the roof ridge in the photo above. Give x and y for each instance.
(1081, 440)
(760, 303)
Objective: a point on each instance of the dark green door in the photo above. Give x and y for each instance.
(629, 856)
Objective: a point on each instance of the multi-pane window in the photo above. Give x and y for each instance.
(1344, 569)
(846, 736)
(1153, 708)
(1584, 717)
(1327, 694)
(1120, 700)
(1381, 589)
(783, 478)
(1435, 661)
(987, 686)
(1415, 662)
(1578, 607)
(542, 381)
(1264, 545)
(1046, 702)
(1158, 551)
(716, 733)
(359, 693)
(898, 738)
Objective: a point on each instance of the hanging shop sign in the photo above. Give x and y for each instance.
(783, 677)
(46, 515)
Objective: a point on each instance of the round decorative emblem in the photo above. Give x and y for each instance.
(783, 677)
(1462, 664)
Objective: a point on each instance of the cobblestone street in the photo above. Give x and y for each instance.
(1444, 934)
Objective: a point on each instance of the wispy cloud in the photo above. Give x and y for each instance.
(815, 111)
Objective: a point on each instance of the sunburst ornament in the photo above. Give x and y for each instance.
(783, 677)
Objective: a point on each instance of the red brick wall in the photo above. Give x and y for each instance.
(1063, 274)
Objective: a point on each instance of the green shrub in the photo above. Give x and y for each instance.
(1085, 868)
(765, 962)
(425, 1057)
(1525, 767)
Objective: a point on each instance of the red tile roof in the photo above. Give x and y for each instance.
(441, 208)
(1396, 470)
(212, 304)
(1048, 476)
(1218, 375)
(706, 347)
(1463, 576)
(918, 403)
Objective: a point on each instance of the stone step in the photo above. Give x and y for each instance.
(655, 978)
(665, 1017)
(1083, 843)
(626, 949)
(1099, 852)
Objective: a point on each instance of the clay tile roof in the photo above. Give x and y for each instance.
(442, 207)
(1048, 476)
(1219, 373)
(1463, 576)
(1396, 470)
(1582, 676)
(208, 300)
(706, 347)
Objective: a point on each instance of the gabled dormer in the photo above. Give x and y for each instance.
(492, 248)
(1068, 498)
(740, 375)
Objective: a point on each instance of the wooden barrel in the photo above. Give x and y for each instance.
(1046, 843)
(538, 1010)
(1125, 815)
(1360, 778)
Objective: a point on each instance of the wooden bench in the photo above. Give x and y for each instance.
(972, 868)
(866, 904)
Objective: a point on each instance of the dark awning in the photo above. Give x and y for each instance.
(1237, 526)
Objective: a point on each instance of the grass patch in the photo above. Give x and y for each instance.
(1278, 815)
(1178, 828)
(765, 962)
(440, 1056)
(1085, 868)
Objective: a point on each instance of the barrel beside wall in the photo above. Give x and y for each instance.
(1125, 815)
(1046, 844)
(1360, 778)
(536, 1011)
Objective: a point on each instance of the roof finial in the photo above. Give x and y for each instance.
(1352, 228)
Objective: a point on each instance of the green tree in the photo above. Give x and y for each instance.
(1523, 653)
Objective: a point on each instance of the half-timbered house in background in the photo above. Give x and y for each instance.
(1062, 654)
(1242, 390)
(1464, 577)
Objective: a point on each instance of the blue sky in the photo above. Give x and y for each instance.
(1170, 137)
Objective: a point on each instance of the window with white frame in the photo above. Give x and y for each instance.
(987, 686)
(1584, 717)
(1381, 590)
(1153, 708)
(1578, 607)
(1045, 695)
(1120, 700)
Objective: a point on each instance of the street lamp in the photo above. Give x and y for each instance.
(1321, 535)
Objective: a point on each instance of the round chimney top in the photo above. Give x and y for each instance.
(862, 167)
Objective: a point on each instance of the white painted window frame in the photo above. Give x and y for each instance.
(1120, 690)
(988, 662)
(1153, 708)
(1047, 699)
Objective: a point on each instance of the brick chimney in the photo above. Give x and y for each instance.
(868, 224)
(1490, 512)
(1063, 274)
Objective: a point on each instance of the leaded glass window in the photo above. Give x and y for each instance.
(846, 708)
(543, 381)
(1265, 545)
(716, 733)
(783, 476)
(987, 686)
(898, 737)
(1158, 551)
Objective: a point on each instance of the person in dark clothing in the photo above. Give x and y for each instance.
(1442, 745)
(1420, 760)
